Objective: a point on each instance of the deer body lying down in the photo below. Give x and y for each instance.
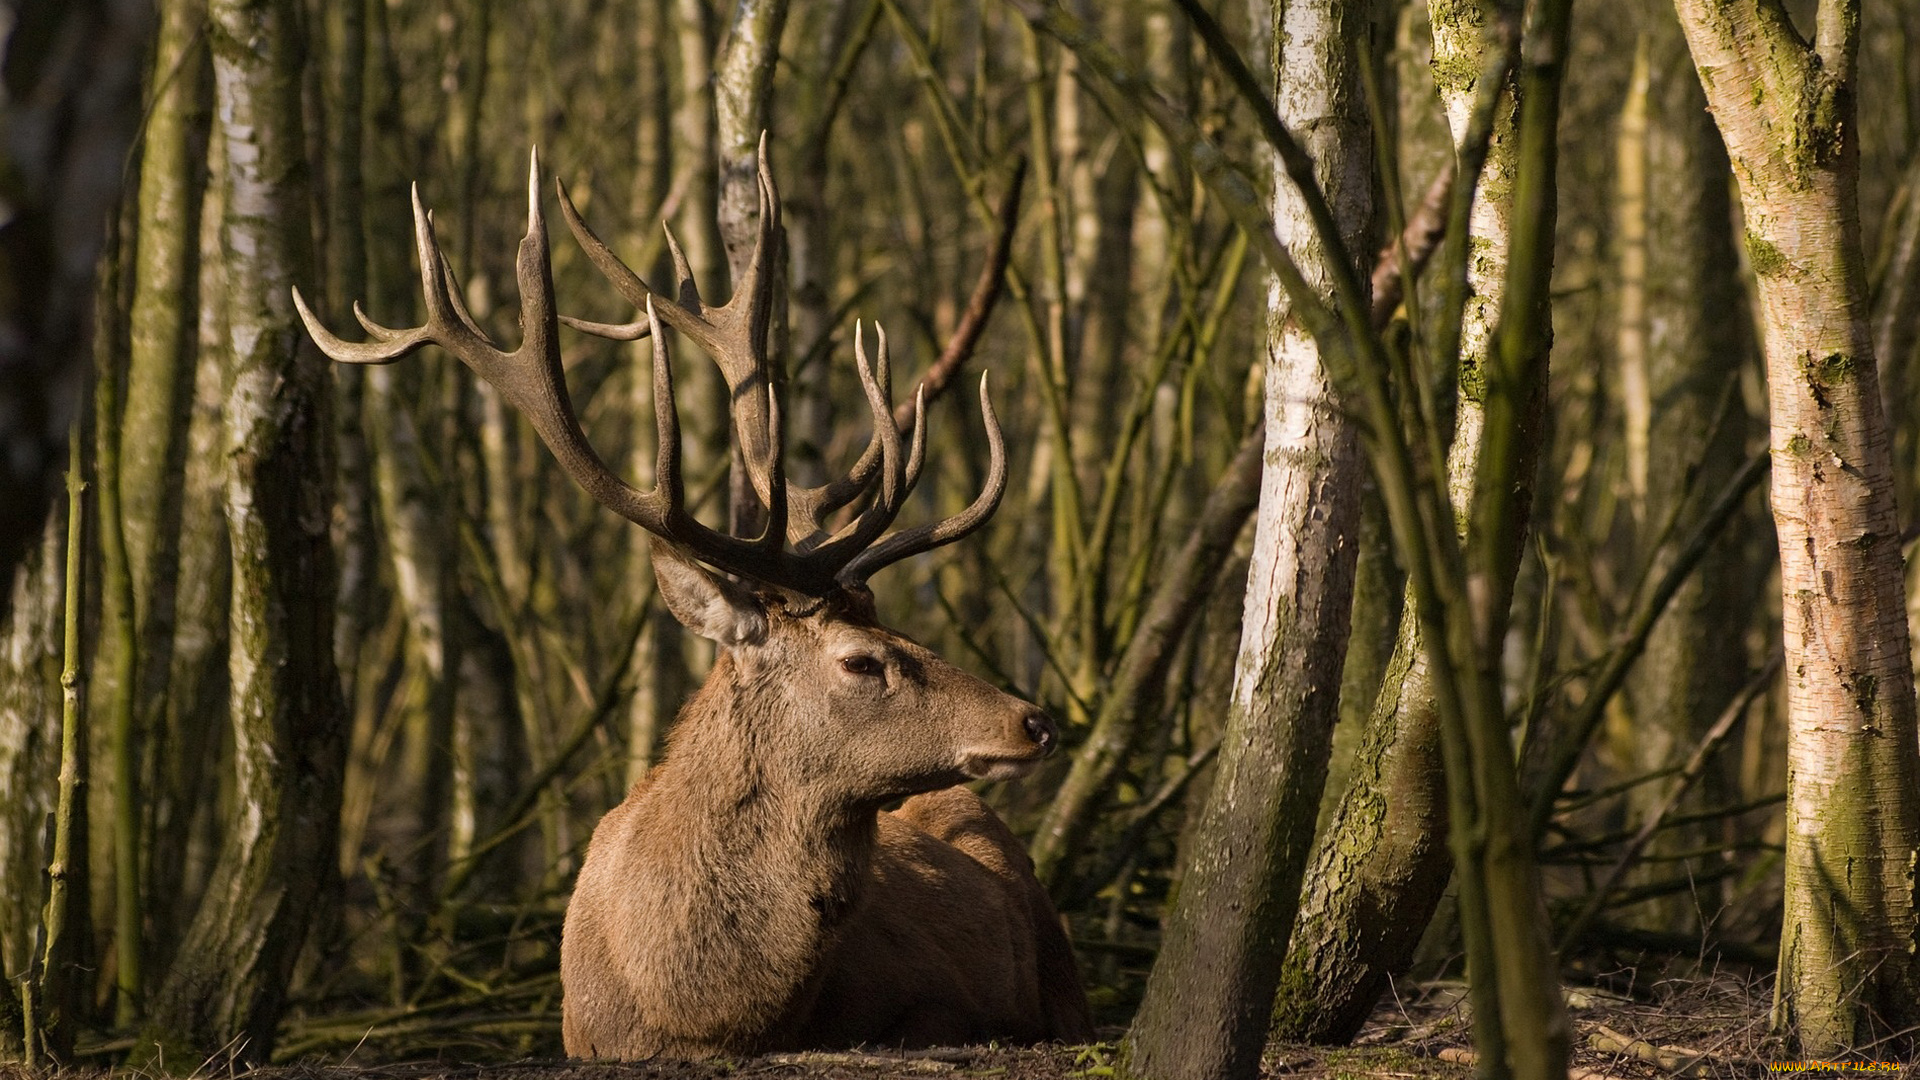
(750, 894)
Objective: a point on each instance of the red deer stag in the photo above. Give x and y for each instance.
(750, 894)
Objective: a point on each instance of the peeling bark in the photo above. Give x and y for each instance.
(1785, 105)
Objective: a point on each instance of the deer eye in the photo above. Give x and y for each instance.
(865, 666)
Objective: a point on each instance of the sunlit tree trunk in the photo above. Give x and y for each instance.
(1786, 107)
(1385, 847)
(227, 986)
(1205, 1013)
(421, 545)
(742, 111)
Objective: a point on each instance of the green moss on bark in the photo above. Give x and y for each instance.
(1766, 259)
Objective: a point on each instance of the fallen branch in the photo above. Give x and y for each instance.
(1674, 1060)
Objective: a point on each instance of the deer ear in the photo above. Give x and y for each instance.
(705, 603)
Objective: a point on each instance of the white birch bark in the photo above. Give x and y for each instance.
(1207, 1003)
(1785, 105)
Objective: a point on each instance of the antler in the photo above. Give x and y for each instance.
(533, 380)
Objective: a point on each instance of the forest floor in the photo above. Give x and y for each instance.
(1688, 1028)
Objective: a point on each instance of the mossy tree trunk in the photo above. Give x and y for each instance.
(152, 438)
(223, 996)
(1205, 1013)
(1786, 107)
(196, 702)
(1383, 863)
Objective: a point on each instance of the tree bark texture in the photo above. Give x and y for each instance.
(1207, 1003)
(161, 341)
(196, 702)
(152, 442)
(742, 110)
(227, 986)
(1786, 108)
(1383, 862)
(421, 547)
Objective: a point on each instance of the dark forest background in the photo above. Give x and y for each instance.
(315, 679)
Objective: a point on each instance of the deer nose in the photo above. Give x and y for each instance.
(1041, 730)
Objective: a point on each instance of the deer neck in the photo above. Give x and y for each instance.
(776, 855)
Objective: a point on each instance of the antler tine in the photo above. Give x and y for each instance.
(917, 456)
(618, 273)
(532, 379)
(733, 335)
(682, 271)
(667, 485)
(390, 344)
(854, 537)
(927, 537)
(774, 481)
(817, 503)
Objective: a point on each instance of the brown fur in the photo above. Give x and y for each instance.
(750, 895)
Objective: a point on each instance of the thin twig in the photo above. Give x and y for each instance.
(1695, 767)
(986, 294)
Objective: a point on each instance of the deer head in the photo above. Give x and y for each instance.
(831, 695)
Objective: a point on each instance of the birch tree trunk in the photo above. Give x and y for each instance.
(196, 703)
(161, 341)
(742, 110)
(421, 545)
(1383, 863)
(227, 986)
(1208, 1000)
(665, 663)
(1786, 107)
